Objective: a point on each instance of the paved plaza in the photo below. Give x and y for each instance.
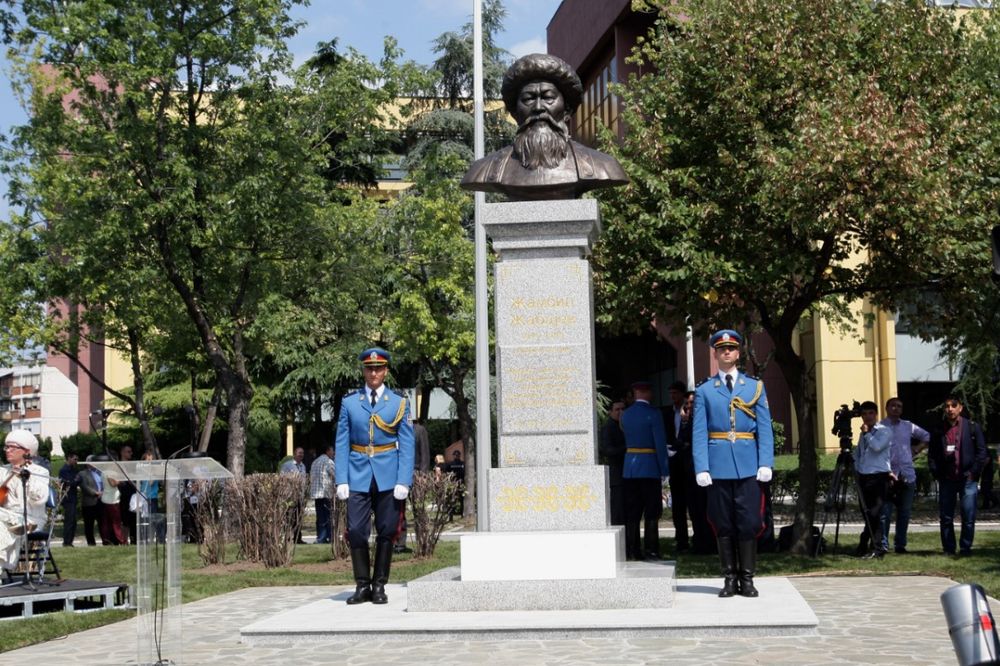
(862, 620)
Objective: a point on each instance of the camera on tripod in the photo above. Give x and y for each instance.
(842, 424)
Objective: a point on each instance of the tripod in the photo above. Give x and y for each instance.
(836, 496)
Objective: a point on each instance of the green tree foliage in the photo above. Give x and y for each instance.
(173, 168)
(787, 159)
(455, 58)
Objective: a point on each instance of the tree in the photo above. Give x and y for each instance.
(786, 160)
(455, 59)
(171, 133)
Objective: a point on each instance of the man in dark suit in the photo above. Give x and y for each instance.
(956, 456)
(681, 462)
(645, 470)
(612, 447)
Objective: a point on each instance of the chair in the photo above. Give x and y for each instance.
(35, 559)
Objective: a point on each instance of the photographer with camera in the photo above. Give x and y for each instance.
(873, 467)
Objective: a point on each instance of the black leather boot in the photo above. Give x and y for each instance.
(361, 560)
(383, 558)
(748, 567)
(727, 556)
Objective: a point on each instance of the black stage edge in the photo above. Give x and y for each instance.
(76, 596)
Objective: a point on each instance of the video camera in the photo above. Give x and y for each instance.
(842, 423)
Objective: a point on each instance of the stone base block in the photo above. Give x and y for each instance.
(570, 497)
(638, 585)
(542, 555)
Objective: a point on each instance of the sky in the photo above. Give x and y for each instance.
(363, 24)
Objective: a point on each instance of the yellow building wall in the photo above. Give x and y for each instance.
(856, 364)
(117, 371)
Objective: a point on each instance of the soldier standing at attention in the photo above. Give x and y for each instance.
(644, 472)
(733, 447)
(375, 437)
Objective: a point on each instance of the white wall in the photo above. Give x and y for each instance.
(59, 398)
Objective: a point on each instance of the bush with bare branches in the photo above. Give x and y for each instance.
(211, 516)
(432, 496)
(339, 547)
(262, 510)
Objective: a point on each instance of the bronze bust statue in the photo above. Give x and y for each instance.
(541, 92)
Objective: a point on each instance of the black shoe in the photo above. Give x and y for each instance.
(901, 550)
(652, 557)
(362, 593)
(874, 555)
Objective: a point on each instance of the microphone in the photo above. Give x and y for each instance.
(24, 473)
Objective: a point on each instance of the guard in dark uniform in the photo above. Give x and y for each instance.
(733, 454)
(375, 438)
(645, 469)
(612, 447)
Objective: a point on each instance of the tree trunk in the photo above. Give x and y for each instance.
(793, 367)
(238, 394)
(466, 429)
(205, 430)
(139, 384)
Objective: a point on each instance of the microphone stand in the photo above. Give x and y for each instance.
(25, 475)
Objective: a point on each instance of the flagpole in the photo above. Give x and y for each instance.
(483, 440)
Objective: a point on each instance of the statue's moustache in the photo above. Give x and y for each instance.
(541, 117)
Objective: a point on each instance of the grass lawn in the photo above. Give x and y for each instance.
(313, 566)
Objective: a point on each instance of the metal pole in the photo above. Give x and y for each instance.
(483, 457)
(689, 353)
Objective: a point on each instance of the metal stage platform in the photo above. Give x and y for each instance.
(76, 596)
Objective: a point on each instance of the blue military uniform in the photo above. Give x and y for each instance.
(645, 464)
(374, 454)
(732, 439)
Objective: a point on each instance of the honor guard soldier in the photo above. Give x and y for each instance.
(644, 472)
(733, 447)
(375, 438)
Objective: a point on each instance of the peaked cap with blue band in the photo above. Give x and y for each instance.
(374, 356)
(725, 338)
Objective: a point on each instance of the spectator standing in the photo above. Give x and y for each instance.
(112, 531)
(644, 472)
(957, 456)
(612, 446)
(903, 484)
(422, 441)
(296, 466)
(681, 464)
(125, 491)
(91, 489)
(69, 479)
(321, 489)
(872, 465)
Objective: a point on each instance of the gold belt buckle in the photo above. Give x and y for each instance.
(371, 450)
(732, 436)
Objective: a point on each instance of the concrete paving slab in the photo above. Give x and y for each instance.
(697, 611)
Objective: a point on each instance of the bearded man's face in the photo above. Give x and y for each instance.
(543, 131)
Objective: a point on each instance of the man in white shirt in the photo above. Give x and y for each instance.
(903, 476)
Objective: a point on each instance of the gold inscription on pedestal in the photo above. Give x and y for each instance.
(546, 498)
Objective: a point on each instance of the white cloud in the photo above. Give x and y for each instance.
(533, 45)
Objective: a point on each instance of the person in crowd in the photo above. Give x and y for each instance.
(126, 489)
(956, 457)
(91, 489)
(903, 479)
(321, 478)
(69, 481)
(733, 444)
(612, 447)
(871, 462)
(645, 470)
(25, 489)
(681, 464)
(295, 466)
(374, 471)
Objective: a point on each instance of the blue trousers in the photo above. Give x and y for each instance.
(736, 508)
(359, 514)
(902, 499)
(966, 492)
(322, 519)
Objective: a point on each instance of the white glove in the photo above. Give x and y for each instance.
(664, 480)
(763, 474)
(704, 479)
(343, 491)
(400, 492)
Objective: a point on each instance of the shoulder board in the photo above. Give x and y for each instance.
(401, 394)
(706, 379)
(756, 379)
(354, 392)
